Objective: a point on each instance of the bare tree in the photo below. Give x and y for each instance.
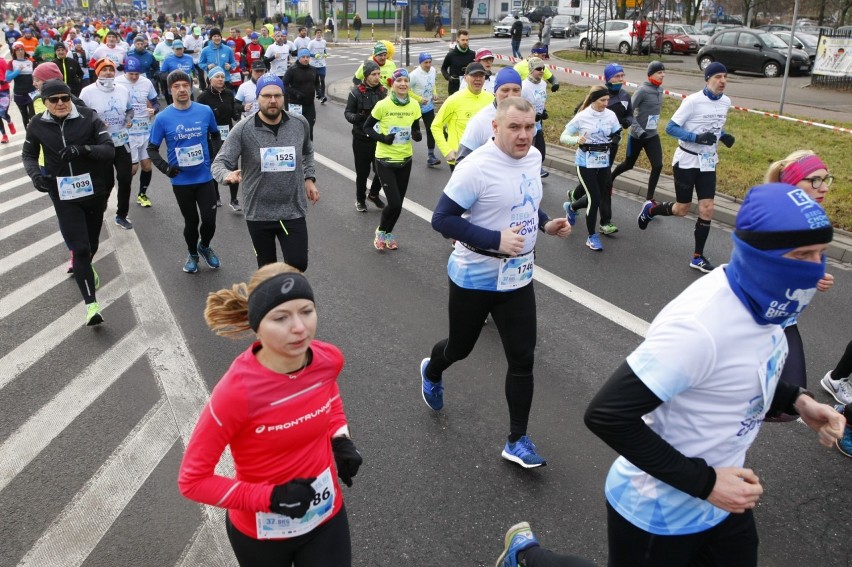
(691, 10)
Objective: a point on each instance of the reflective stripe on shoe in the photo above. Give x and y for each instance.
(524, 453)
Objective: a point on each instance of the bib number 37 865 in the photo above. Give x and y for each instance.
(276, 526)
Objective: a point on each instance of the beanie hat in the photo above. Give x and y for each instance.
(267, 80)
(380, 48)
(370, 67)
(483, 54)
(253, 35)
(304, 52)
(424, 57)
(612, 70)
(104, 62)
(132, 65)
(47, 71)
(396, 75)
(655, 67)
(714, 68)
(177, 44)
(176, 76)
(799, 169)
(534, 63)
(216, 71)
(506, 75)
(215, 31)
(53, 87)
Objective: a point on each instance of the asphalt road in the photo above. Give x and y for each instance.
(94, 420)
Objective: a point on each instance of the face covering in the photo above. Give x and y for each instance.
(710, 94)
(614, 87)
(107, 84)
(654, 81)
(398, 101)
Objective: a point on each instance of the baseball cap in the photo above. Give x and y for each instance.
(474, 68)
(177, 44)
(258, 66)
(169, 35)
(483, 54)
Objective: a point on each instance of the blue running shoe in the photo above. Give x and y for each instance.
(594, 242)
(433, 392)
(570, 214)
(209, 255)
(645, 215)
(523, 452)
(518, 538)
(191, 264)
(844, 444)
(701, 264)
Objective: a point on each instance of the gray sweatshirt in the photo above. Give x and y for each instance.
(279, 192)
(647, 103)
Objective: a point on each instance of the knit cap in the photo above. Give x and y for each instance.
(370, 66)
(216, 71)
(176, 76)
(612, 70)
(267, 80)
(655, 67)
(506, 75)
(46, 72)
(714, 68)
(379, 48)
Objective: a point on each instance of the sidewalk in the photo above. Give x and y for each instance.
(635, 182)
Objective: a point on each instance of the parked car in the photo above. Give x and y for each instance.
(726, 19)
(711, 29)
(540, 13)
(751, 50)
(673, 42)
(504, 26)
(563, 26)
(690, 31)
(775, 27)
(615, 35)
(804, 41)
(582, 25)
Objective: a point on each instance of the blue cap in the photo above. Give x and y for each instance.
(215, 71)
(506, 75)
(266, 80)
(253, 35)
(177, 44)
(304, 52)
(611, 70)
(425, 57)
(132, 65)
(714, 68)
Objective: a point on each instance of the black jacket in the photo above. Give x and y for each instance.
(80, 128)
(300, 83)
(517, 30)
(72, 74)
(225, 107)
(455, 62)
(360, 103)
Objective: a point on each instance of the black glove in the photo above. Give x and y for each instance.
(554, 87)
(387, 138)
(706, 138)
(416, 135)
(545, 115)
(347, 458)
(294, 498)
(727, 139)
(45, 183)
(644, 135)
(625, 123)
(172, 171)
(70, 153)
(538, 117)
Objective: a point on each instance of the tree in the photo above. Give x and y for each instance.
(691, 10)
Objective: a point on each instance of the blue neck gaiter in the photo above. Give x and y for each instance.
(709, 94)
(614, 87)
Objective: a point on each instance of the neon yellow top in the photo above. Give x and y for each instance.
(397, 119)
(385, 71)
(523, 69)
(455, 113)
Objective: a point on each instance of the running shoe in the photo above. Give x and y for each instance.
(323, 100)
(570, 214)
(376, 200)
(701, 264)
(433, 392)
(236, 206)
(544, 174)
(70, 269)
(209, 255)
(608, 229)
(645, 215)
(191, 264)
(96, 277)
(594, 242)
(433, 161)
(390, 241)
(123, 222)
(523, 452)
(844, 444)
(143, 201)
(361, 206)
(12, 128)
(841, 390)
(518, 538)
(379, 240)
(218, 202)
(4, 139)
(93, 314)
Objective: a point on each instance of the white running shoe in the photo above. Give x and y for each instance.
(841, 389)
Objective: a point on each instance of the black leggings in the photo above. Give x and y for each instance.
(539, 143)
(394, 181)
(795, 371)
(653, 149)
(514, 314)
(320, 89)
(365, 158)
(26, 111)
(327, 545)
(595, 182)
(293, 236)
(123, 164)
(80, 223)
(844, 367)
(234, 188)
(428, 118)
(197, 202)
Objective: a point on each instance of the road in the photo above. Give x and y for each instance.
(94, 420)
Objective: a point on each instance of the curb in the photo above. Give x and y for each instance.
(635, 182)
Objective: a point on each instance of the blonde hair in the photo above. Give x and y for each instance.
(593, 90)
(773, 174)
(227, 309)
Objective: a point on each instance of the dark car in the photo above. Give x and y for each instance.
(804, 41)
(726, 19)
(540, 13)
(775, 27)
(710, 29)
(563, 26)
(754, 51)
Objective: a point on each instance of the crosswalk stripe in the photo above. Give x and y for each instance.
(26, 223)
(16, 183)
(14, 167)
(22, 200)
(14, 143)
(206, 549)
(27, 253)
(50, 420)
(36, 347)
(85, 521)
(13, 155)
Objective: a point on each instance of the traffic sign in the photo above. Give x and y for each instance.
(720, 11)
(402, 3)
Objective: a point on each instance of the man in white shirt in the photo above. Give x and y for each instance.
(317, 47)
(302, 41)
(112, 50)
(422, 81)
(246, 94)
(192, 45)
(143, 99)
(278, 55)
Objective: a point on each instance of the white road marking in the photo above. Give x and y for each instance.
(26, 223)
(27, 253)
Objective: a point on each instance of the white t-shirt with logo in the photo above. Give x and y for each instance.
(716, 371)
(111, 107)
(318, 52)
(280, 55)
(247, 94)
(536, 94)
(698, 113)
(140, 93)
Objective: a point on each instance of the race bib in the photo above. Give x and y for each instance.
(403, 135)
(34, 95)
(597, 159)
(223, 131)
(278, 159)
(294, 108)
(120, 138)
(236, 77)
(191, 156)
(276, 526)
(75, 187)
(652, 122)
(140, 126)
(515, 272)
(707, 161)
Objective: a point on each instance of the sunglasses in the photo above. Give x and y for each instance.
(539, 69)
(58, 99)
(817, 182)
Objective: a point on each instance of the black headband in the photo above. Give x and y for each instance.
(275, 291)
(786, 238)
(593, 96)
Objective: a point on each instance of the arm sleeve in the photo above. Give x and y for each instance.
(351, 111)
(202, 61)
(445, 68)
(447, 219)
(677, 131)
(615, 415)
(156, 158)
(570, 135)
(29, 155)
(10, 75)
(308, 153)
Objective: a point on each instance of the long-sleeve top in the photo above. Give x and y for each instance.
(455, 113)
(647, 105)
(300, 82)
(217, 56)
(274, 166)
(360, 103)
(598, 128)
(455, 61)
(278, 430)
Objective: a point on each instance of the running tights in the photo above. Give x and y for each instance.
(123, 163)
(653, 149)
(291, 234)
(197, 202)
(327, 545)
(844, 367)
(428, 118)
(395, 183)
(80, 222)
(364, 152)
(514, 315)
(795, 371)
(595, 181)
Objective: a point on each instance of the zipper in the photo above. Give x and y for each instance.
(65, 145)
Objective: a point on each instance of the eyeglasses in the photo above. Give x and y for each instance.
(817, 182)
(58, 99)
(539, 69)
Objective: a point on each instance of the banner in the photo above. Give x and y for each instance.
(833, 58)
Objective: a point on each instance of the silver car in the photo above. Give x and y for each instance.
(614, 35)
(504, 26)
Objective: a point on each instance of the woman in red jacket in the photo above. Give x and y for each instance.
(279, 409)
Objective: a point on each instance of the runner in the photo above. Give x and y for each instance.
(398, 120)
(491, 208)
(143, 99)
(486, 58)
(479, 130)
(74, 177)
(271, 154)
(319, 53)
(423, 85)
(362, 99)
(111, 49)
(456, 60)
(112, 103)
(592, 129)
(185, 126)
(380, 58)
(72, 74)
(253, 51)
(217, 54)
(534, 89)
(302, 41)
(227, 111)
(247, 93)
(22, 74)
(699, 124)
(5, 100)
(277, 55)
(285, 504)
(300, 83)
(193, 44)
